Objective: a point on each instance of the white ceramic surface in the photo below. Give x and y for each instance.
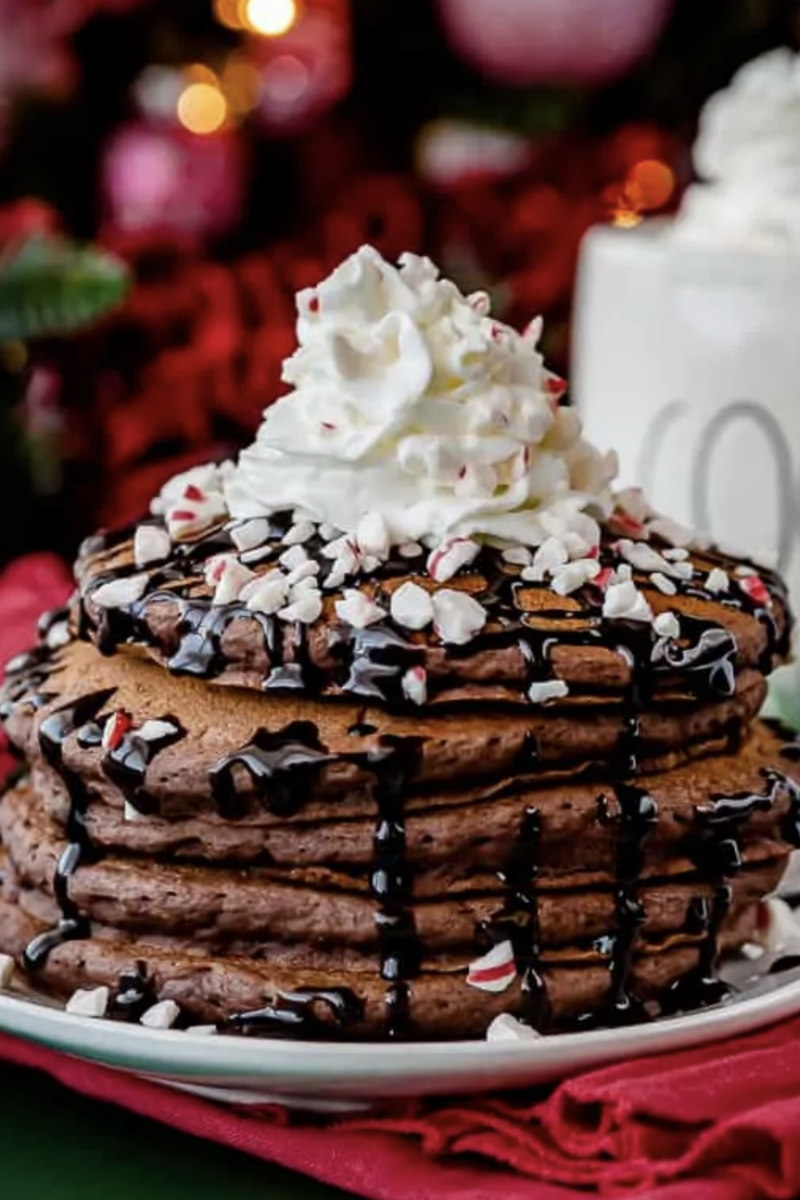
(686, 360)
(335, 1076)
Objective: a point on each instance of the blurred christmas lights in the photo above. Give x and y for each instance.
(202, 108)
(270, 17)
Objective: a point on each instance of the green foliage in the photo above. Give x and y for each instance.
(49, 286)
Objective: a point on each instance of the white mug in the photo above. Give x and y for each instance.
(687, 362)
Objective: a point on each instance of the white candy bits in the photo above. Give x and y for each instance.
(357, 609)
(88, 1002)
(162, 1015)
(505, 1028)
(411, 606)
(625, 601)
(457, 618)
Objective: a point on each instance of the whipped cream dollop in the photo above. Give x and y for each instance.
(747, 153)
(410, 401)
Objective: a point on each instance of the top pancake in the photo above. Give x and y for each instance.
(732, 620)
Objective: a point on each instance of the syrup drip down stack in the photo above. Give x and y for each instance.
(404, 721)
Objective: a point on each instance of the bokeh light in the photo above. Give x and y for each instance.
(270, 17)
(202, 108)
(650, 183)
(241, 83)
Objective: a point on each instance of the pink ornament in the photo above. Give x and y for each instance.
(520, 42)
(157, 177)
(305, 71)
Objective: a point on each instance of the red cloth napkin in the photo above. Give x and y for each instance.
(720, 1122)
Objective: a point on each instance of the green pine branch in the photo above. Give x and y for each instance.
(50, 287)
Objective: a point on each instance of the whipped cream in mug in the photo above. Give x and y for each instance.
(410, 401)
(748, 153)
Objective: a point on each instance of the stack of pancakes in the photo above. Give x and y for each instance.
(371, 830)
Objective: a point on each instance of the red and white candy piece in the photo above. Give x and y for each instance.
(415, 685)
(450, 557)
(754, 587)
(495, 971)
(115, 728)
(194, 511)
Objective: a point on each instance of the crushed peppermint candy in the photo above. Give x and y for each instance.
(267, 593)
(754, 587)
(410, 550)
(293, 557)
(624, 601)
(457, 617)
(415, 685)
(194, 512)
(358, 610)
(519, 556)
(411, 606)
(305, 570)
(151, 544)
(130, 813)
(450, 557)
(494, 971)
(717, 581)
(506, 1028)
(297, 534)
(249, 535)
(666, 625)
(232, 577)
(634, 503)
(6, 970)
(551, 555)
(88, 1002)
(547, 689)
(58, 634)
(742, 569)
(156, 728)
(644, 558)
(115, 728)
(372, 536)
(675, 553)
(119, 592)
(665, 585)
(574, 575)
(162, 1015)
(328, 532)
(305, 607)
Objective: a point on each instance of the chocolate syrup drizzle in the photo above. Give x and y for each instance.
(298, 1012)
(53, 732)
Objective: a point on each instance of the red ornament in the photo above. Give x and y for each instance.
(520, 42)
(159, 178)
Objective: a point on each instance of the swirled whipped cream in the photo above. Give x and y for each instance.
(411, 402)
(748, 153)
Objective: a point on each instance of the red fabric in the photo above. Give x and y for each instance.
(715, 1123)
(27, 588)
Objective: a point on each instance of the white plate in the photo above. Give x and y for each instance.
(336, 1076)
